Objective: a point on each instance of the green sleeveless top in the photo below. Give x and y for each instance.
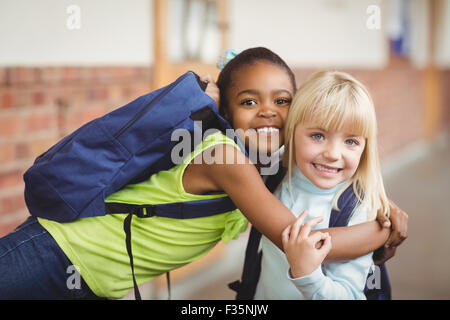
(97, 245)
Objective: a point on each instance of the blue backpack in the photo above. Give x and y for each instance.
(246, 287)
(74, 177)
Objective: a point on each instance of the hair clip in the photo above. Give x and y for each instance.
(225, 56)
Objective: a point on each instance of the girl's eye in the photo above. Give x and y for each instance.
(248, 102)
(317, 136)
(351, 142)
(282, 101)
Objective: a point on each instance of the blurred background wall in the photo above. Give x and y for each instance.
(65, 62)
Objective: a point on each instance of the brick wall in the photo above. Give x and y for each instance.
(38, 106)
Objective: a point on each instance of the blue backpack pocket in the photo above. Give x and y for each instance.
(58, 176)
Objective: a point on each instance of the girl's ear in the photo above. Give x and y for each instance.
(225, 113)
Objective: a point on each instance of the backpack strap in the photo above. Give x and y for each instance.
(347, 203)
(176, 210)
(179, 210)
(127, 229)
(246, 287)
(384, 292)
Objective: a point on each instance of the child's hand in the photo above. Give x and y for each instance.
(211, 89)
(399, 222)
(383, 220)
(383, 254)
(304, 251)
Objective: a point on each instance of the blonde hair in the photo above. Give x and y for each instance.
(335, 100)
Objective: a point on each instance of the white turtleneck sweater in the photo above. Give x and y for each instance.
(339, 280)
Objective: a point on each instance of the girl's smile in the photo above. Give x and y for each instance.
(267, 130)
(326, 170)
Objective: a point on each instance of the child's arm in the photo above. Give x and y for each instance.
(245, 187)
(355, 241)
(396, 228)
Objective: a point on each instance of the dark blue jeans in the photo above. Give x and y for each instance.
(33, 266)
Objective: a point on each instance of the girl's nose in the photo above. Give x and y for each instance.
(267, 111)
(332, 152)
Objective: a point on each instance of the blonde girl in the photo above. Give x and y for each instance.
(331, 144)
